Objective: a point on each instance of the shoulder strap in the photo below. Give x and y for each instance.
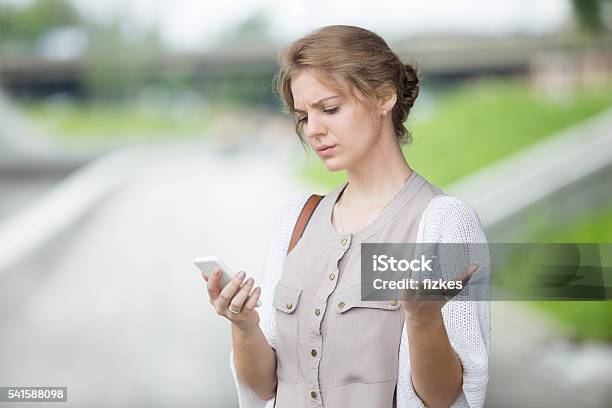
(303, 219)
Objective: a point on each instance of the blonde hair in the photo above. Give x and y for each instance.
(359, 57)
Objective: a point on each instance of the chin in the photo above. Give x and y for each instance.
(333, 164)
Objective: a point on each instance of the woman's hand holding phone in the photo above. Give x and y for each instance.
(235, 301)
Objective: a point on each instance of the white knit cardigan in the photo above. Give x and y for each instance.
(446, 219)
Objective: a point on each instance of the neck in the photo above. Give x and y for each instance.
(377, 178)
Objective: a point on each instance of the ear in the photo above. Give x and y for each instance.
(387, 100)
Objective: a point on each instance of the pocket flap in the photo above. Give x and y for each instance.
(351, 298)
(286, 298)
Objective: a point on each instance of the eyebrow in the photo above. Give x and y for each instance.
(318, 103)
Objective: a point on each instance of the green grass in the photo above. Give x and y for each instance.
(584, 320)
(593, 227)
(118, 120)
(479, 123)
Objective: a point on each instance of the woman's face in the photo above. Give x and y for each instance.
(333, 119)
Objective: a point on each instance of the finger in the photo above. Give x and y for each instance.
(213, 285)
(228, 292)
(205, 277)
(464, 278)
(448, 294)
(240, 297)
(467, 273)
(253, 298)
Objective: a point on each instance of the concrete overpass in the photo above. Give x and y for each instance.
(441, 59)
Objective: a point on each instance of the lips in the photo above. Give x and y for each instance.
(326, 151)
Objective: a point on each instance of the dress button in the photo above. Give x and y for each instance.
(289, 305)
(317, 311)
(341, 305)
(313, 394)
(313, 352)
(344, 241)
(332, 276)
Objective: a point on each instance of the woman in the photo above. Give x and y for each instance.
(314, 342)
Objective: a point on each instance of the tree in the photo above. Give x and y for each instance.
(591, 14)
(254, 31)
(117, 65)
(28, 23)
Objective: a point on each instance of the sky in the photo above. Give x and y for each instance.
(191, 25)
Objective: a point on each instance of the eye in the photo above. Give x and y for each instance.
(331, 111)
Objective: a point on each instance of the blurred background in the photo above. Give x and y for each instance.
(138, 135)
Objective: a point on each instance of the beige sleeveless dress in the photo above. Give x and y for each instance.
(333, 349)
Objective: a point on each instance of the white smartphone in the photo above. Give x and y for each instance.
(208, 264)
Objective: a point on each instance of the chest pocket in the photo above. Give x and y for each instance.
(286, 301)
(366, 338)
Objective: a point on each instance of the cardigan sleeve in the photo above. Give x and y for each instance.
(273, 266)
(450, 220)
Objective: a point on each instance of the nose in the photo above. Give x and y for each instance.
(314, 127)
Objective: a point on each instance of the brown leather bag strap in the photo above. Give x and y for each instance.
(303, 219)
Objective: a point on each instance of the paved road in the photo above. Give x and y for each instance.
(115, 311)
